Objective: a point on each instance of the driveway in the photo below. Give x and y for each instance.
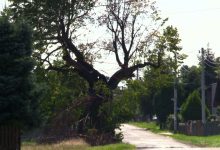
(146, 140)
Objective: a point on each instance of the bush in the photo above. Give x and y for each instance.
(170, 121)
(191, 109)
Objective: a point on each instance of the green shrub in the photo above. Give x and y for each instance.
(170, 121)
(191, 109)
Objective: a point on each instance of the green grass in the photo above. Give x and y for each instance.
(120, 146)
(204, 141)
(74, 145)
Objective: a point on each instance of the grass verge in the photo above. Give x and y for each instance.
(74, 145)
(203, 141)
(120, 146)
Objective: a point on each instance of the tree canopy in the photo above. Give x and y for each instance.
(57, 23)
(16, 66)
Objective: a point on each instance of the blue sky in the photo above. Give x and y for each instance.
(198, 23)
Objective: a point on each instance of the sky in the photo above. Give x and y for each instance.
(198, 24)
(197, 21)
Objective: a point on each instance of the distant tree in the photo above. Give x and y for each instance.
(133, 97)
(191, 109)
(218, 68)
(160, 80)
(218, 77)
(164, 104)
(18, 98)
(189, 80)
(210, 68)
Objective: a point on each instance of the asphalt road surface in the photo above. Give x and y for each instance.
(146, 140)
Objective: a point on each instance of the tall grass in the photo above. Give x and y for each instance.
(64, 145)
(74, 145)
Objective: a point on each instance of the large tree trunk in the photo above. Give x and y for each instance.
(89, 117)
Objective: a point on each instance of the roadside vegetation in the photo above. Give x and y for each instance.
(206, 141)
(74, 145)
(203, 141)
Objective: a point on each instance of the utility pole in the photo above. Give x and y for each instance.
(175, 104)
(137, 73)
(203, 87)
(175, 95)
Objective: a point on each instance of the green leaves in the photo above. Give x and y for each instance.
(16, 64)
(191, 109)
(61, 90)
(47, 16)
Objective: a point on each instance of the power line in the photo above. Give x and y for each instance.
(210, 65)
(214, 63)
(193, 11)
(185, 69)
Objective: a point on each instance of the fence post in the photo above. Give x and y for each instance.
(10, 137)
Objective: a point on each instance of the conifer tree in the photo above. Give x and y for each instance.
(16, 66)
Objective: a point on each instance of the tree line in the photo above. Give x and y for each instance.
(154, 92)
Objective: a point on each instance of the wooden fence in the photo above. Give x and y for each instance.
(10, 138)
(197, 128)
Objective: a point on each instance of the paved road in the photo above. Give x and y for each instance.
(146, 140)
